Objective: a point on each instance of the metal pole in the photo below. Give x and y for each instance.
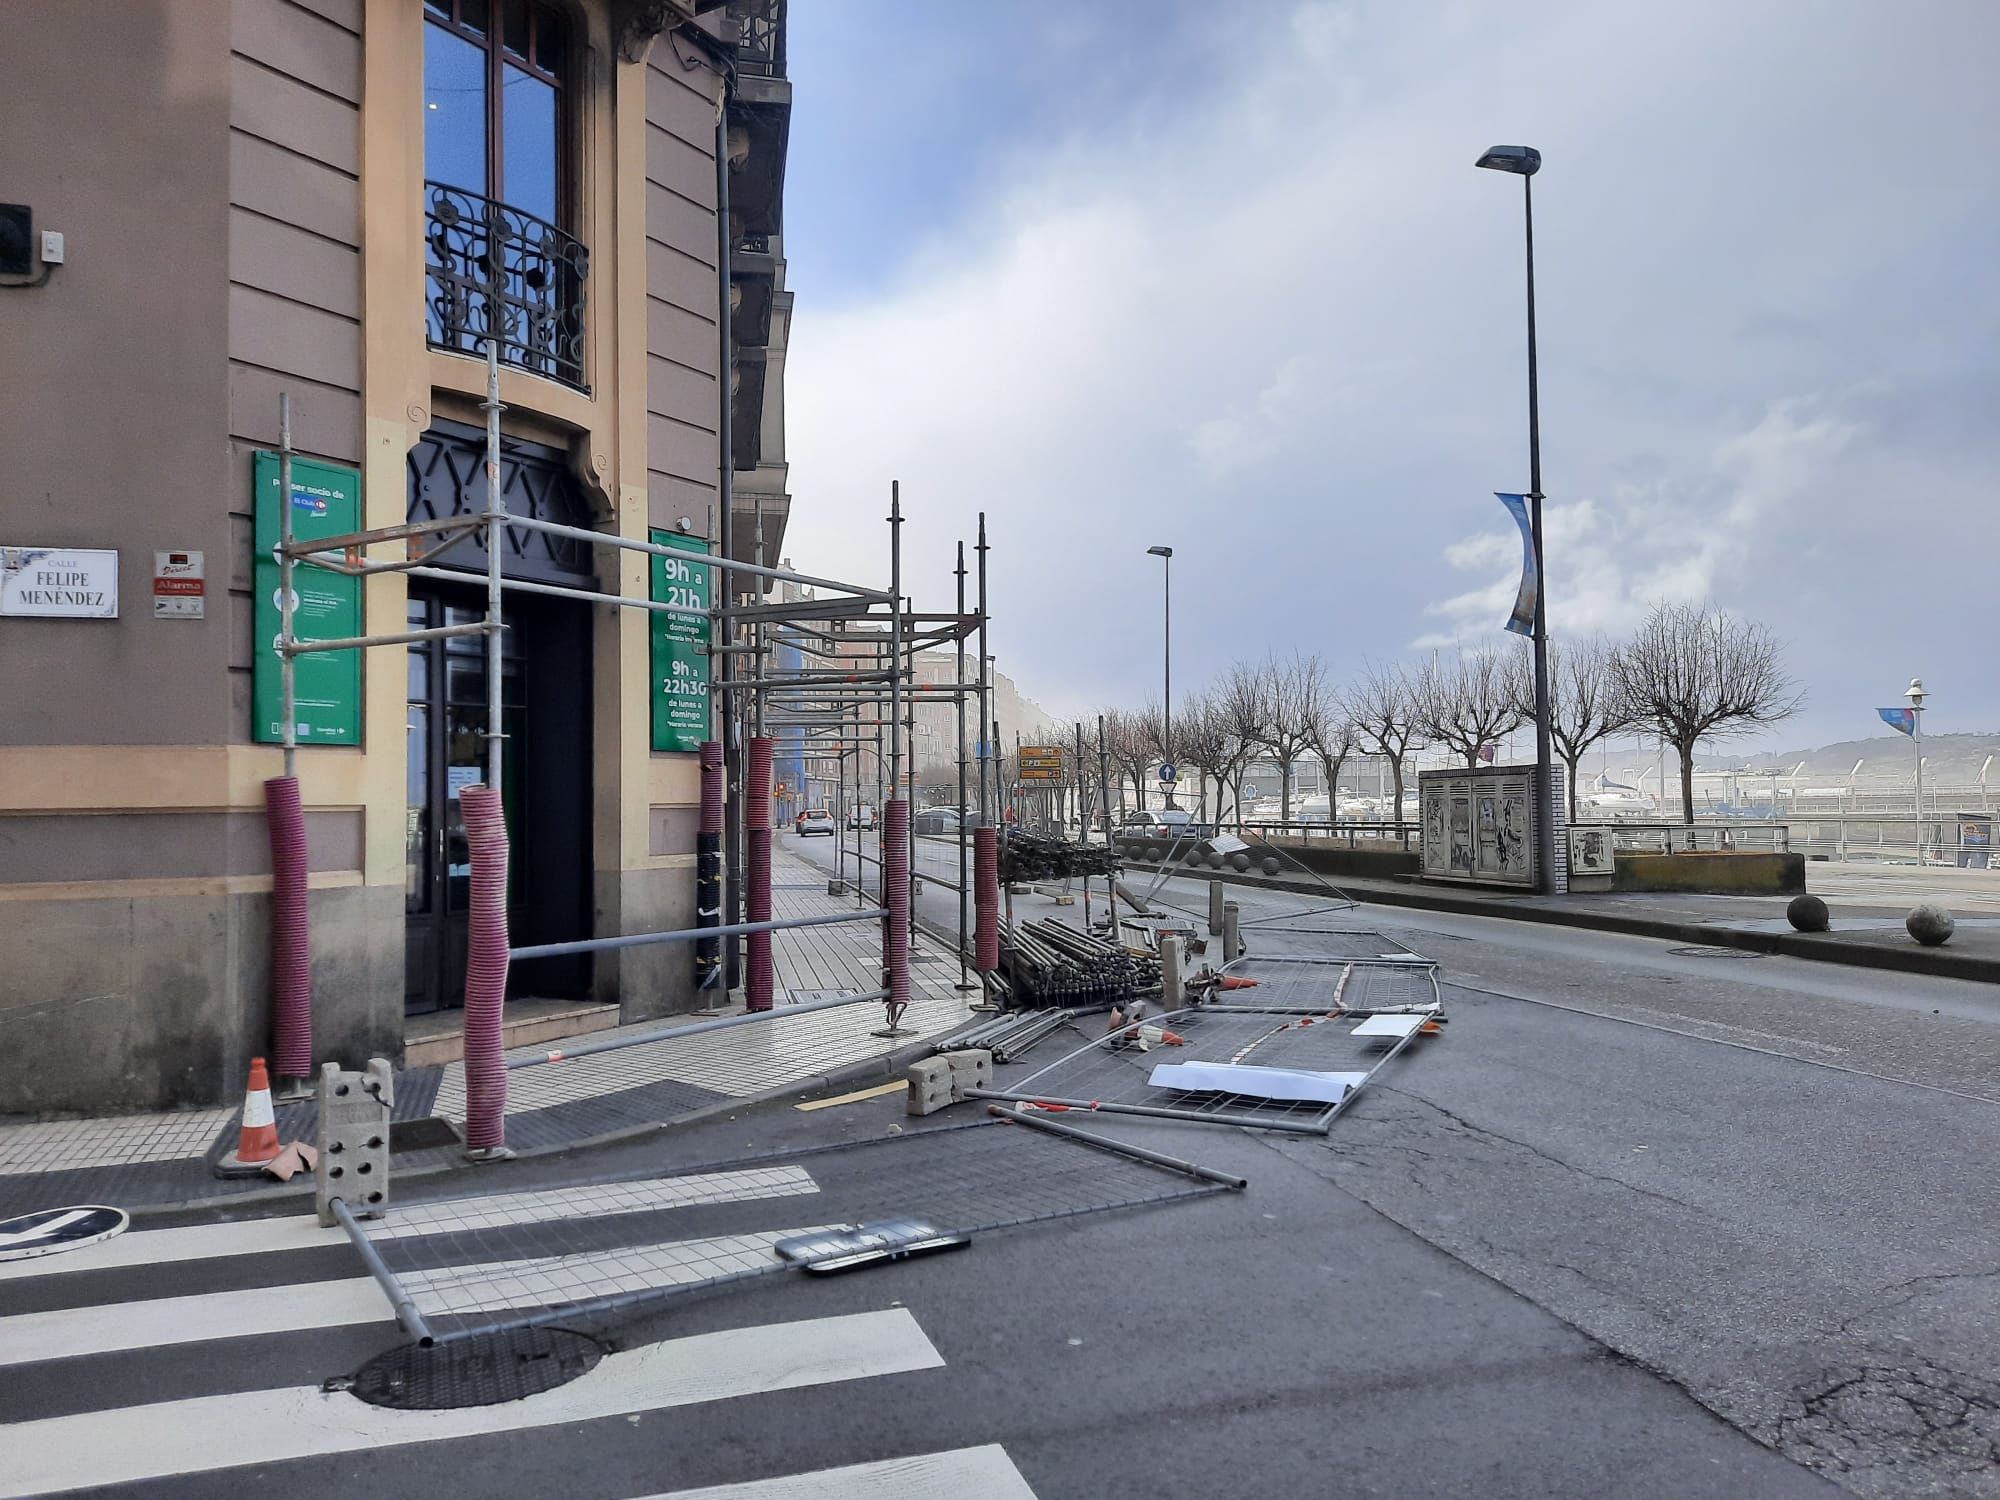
(495, 545)
(399, 1300)
(732, 758)
(985, 683)
(1917, 749)
(958, 698)
(287, 663)
(1545, 813)
(1167, 690)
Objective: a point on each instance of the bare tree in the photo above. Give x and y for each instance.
(1382, 707)
(1585, 704)
(1694, 673)
(1239, 708)
(1130, 745)
(1291, 694)
(1330, 736)
(1201, 740)
(1468, 699)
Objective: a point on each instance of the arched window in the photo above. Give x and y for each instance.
(494, 72)
(498, 167)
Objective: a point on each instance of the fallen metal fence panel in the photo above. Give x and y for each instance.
(590, 1254)
(1331, 1024)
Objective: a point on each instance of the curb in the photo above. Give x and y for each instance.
(1937, 963)
(885, 1065)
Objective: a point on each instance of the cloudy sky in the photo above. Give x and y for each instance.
(1127, 272)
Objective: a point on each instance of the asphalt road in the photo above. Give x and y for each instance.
(1551, 1253)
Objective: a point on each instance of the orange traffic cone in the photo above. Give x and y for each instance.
(257, 1141)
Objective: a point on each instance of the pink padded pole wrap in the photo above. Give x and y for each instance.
(896, 873)
(485, 969)
(758, 976)
(986, 899)
(291, 939)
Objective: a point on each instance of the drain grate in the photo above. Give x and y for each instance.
(479, 1369)
(1699, 951)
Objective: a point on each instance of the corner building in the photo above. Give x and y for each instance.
(337, 200)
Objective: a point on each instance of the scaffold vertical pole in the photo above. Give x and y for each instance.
(288, 669)
(495, 547)
(958, 698)
(985, 748)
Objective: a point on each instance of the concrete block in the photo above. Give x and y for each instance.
(354, 1139)
(971, 1068)
(930, 1086)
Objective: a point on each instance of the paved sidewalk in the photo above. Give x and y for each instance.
(155, 1160)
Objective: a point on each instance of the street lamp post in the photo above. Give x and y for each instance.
(1524, 162)
(1166, 556)
(1916, 695)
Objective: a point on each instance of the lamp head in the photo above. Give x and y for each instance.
(1916, 693)
(1159, 552)
(1523, 161)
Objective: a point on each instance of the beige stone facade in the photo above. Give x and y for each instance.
(242, 186)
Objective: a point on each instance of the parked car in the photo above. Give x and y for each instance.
(815, 820)
(935, 821)
(1167, 823)
(861, 817)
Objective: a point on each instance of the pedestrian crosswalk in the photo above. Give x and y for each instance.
(152, 1305)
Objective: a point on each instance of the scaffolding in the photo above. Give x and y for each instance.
(857, 696)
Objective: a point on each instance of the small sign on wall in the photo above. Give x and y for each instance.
(180, 588)
(59, 583)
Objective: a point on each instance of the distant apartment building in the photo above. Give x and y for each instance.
(341, 201)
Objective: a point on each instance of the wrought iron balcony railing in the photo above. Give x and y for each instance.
(498, 271)
(760, 44)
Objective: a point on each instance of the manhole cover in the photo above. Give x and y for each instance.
(1700, 952)
(481, 1369)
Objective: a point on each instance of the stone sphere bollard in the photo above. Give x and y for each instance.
(1214, 861)
(1930, 924)
(1153, 853)
(1239, 862)
(1808, 914)
(1270, 866)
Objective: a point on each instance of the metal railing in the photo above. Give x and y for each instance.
(500, 272)
(1963, 840)
(760, 37)
(1696, 838)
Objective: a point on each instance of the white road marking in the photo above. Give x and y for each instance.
(110, 1326)
(960, 1474)
(303, 1232)
(550, 1280)
(595, 1201)
(489, 1286)
(206, 1433)
(148, 1247)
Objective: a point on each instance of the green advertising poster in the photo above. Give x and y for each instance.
(680, 646)
(326, 501)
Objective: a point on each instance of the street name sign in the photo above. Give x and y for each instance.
(59, 583)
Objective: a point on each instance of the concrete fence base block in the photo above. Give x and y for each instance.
(971, 1068)
(930, 1086)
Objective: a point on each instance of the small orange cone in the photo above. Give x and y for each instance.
(258, 1141)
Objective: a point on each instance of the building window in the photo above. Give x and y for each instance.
(497, 190)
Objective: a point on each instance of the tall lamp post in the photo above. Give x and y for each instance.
(1916, 695)
(1524, 162)
(1166, 556)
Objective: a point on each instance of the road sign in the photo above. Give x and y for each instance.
(53, 1229)
(1040, 762)
(1168, 773)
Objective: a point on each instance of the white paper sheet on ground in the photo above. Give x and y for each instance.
(1297, 1084)
(1390, 1025)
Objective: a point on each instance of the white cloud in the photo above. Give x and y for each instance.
(1281, 330)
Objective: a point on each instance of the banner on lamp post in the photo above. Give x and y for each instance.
(1522, 620)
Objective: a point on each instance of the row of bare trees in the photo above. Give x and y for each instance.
(1689, 674)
